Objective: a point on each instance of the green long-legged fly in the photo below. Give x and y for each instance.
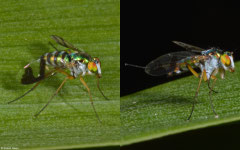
(72, 60)
(210, 61)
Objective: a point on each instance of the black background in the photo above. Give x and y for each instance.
(148, 29)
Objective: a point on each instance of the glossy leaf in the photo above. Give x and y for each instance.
(69, 121)
(163, 110)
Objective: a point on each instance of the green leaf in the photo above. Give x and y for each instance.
(163, 110)
(69, 121)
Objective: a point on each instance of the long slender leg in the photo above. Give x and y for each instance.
(193, 71)
(210, 96)
(100, 89)
(205, 75)
(65, 73)
(52, 97)
(85, 84)
(25, 93)
(90, 96)
(68, 77)
(196, 95)
(47, 75)
(210, 87)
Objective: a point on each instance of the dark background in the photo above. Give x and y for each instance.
(148, 29)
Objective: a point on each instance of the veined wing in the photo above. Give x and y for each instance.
(189, 47)
(66, 44)
(166, 64)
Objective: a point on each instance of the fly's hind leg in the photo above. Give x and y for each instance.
(25, 93)
(47, 75)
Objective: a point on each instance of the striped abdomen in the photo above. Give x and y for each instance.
(57, 58)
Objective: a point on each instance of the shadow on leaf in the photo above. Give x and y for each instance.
(150, 99)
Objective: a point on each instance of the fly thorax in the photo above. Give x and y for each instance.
(78, 69)
(211, 65)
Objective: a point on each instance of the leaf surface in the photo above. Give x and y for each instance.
(69, 121)
(163, 110)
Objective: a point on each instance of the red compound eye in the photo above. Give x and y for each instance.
(226, 60)
(92, 66)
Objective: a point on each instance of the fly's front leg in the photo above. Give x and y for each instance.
(196, 96)
(90, 96)
(215, 71)
(100, 89)
(210, 87)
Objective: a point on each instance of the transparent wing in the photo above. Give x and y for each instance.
(66, 44)
(167, 63)
(189, 47)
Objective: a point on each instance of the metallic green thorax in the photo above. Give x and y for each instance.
(76, 57)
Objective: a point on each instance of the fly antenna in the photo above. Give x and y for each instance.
(136, 66)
